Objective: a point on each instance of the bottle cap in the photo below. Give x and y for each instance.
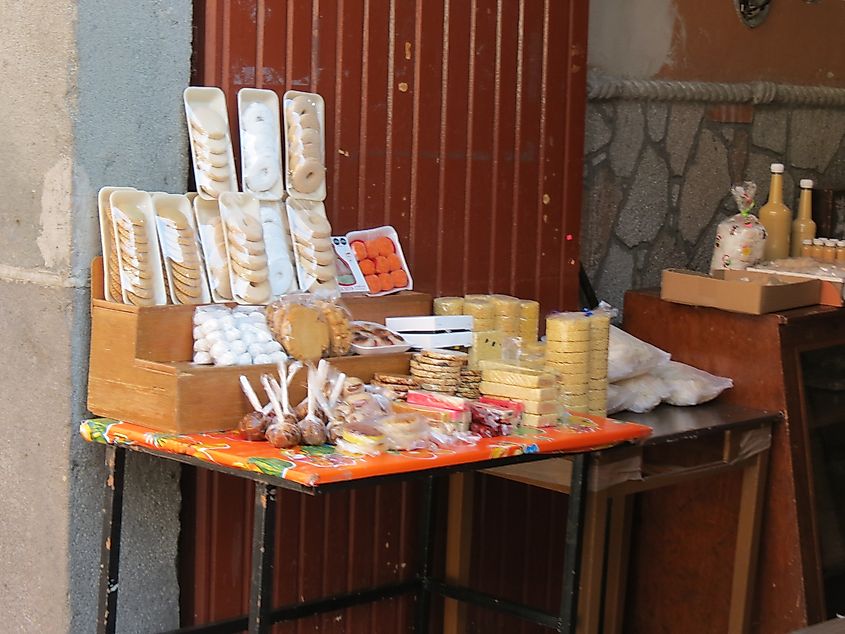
(807, 242)
(818, 242)
(840, 244)
(829, 243)
(777, 168)
(806, 183)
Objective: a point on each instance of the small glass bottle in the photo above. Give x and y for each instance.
(840, 252)
(829, 251)
(818, 245)
(806, 248)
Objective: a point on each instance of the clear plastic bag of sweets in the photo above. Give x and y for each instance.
(629, 357)
(687, 385)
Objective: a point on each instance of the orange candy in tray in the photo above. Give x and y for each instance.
(381, 260)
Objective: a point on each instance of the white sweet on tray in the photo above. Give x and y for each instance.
(239, 336)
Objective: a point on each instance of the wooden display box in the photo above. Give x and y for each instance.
(140, 363)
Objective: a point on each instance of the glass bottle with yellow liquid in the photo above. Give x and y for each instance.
(776, 218)
(803, 227)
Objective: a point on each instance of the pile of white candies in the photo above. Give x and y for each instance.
(239, 336)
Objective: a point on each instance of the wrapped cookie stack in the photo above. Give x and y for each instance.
(599, 342)
(438, 370)
(179, 243)
(247, 252)
(567, 356)
(506, 311)
(399, 384)
(469, 383)
(449, 306)
(481, 310)
(529, 320)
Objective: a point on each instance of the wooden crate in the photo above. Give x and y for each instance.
(141, 371)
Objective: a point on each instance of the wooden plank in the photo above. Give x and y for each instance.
(747, 543)
(458, 547)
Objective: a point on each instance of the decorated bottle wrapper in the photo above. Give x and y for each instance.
(739, 239)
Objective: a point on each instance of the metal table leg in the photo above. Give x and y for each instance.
(572, 552)
(263, 542)
(110, 550)
(426, 538)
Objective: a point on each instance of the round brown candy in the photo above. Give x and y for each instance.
(283, 435)
(253, 425)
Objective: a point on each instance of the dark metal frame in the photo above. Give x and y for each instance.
(262, 615)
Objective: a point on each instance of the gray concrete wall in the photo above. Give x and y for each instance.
(91, 96)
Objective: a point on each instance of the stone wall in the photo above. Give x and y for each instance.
(657, 178)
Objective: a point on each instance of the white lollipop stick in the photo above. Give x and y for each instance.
(292, 370)
(250, 394)
(338, 387)
(271, 394)
(283, 375)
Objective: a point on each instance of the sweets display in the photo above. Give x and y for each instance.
(313, 250)
(567, 356)
(136, 248)
(438, 370)
(381, 260)
(370, 338)
(740, 239)
(280, 257)
(211, 143)
(183, 263)
(468, 384)
(239, 336)
(305, 177)
(243, 234)
(261, 152)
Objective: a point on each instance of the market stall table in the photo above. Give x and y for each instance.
(317, 470)
(686, 444)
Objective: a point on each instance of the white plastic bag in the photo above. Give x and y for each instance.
(645, 392)
(687, 385)
(618, 397)
(629, 357)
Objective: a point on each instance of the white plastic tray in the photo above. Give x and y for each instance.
(292, 205)
(205, 213)
(107, 237)
(132, 201)
(268, 98)
(213, 98)
(277, 240)
(182, 205)
(371, 351)
(231, 205)
(390, 232)
(320, 105)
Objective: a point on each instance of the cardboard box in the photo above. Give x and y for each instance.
(753, 292)
(831, 289)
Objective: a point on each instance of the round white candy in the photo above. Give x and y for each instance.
(198, 333)
(227, 321)
(248, 337)
(262, 358)
(214, 336)
(272, 346)
(219, 349)
(225, 359)
(237, 347)
(232, 334)
(279, 356)
(202, 345)
(255, 348)
(210, 325)
(263, 335)
(245, 358)
(202, 357)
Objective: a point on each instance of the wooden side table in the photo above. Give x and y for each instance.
(762, 354)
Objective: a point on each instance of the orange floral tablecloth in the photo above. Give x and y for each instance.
(313, 466)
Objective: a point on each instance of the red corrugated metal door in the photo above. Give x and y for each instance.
(460, 123)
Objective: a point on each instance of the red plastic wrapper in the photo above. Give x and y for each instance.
(491, 420)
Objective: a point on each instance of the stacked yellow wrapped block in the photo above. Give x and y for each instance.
(495, 313)
(568, 357)
(599, 340)
(529, 319)
(534, 388)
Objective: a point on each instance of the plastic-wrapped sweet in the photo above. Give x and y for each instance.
(629, 357)
(239, 336)
(687, 385)
(740, 239)
(645, 392)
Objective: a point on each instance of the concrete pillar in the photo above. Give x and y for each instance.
(91, 97)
